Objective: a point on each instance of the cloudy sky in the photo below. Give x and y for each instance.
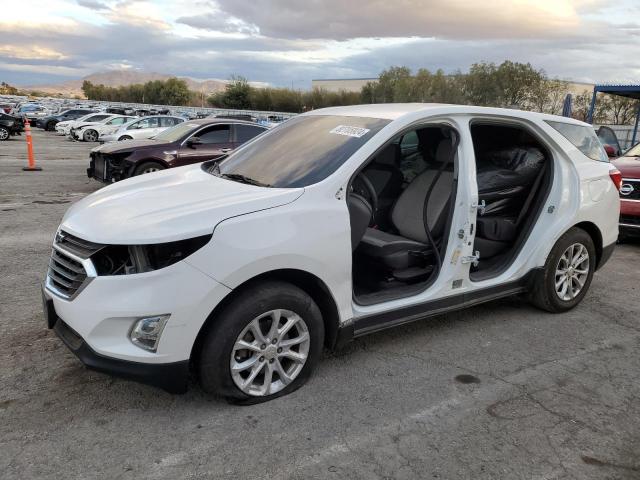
(289, 42)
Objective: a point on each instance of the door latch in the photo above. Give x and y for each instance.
(480, 207)
(473, 259)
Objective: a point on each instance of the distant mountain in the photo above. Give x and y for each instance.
(117, 78)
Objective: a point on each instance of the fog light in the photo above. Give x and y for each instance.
(146, 331)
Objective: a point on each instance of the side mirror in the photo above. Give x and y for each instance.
(194, 141)
(611, 152)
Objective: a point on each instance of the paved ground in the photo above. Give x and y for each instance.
(552, 396)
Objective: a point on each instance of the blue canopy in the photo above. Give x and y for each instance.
(628, 91)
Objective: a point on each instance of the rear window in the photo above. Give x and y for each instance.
(302, 151)
(583, 138)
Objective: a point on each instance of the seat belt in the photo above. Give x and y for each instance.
(532, 192)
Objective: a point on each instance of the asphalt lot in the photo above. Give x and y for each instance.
(551, 396)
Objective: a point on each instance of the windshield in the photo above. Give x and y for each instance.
(302, 151)
(633, 151)
(173, 134)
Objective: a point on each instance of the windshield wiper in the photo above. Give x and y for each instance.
(237, 177)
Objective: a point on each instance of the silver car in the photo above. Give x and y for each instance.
(145, 127)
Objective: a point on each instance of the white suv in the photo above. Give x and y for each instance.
(337, 223)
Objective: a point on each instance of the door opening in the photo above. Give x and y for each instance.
(514, 171)
(400, 206)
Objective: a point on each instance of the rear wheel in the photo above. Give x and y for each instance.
(263, 345)
(148, 167)
(567, 273)
(4, 134)
(90, 136)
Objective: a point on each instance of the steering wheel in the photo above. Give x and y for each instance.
(362, 186)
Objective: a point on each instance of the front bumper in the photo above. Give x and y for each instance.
(171, 377)
(107, 169)
(96, 323)
(630, 216)
(107, 138)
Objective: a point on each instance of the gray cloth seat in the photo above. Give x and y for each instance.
(403, 250)
(387, 179)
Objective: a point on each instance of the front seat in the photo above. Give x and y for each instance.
(387, 180)
(404, 250)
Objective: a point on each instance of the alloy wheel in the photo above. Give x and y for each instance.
(270, 352)
(150, 169)
(4, 134)
(572, 272)
(91, 136)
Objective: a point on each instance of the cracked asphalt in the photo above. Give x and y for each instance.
(498, 391)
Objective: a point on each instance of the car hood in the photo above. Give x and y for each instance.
(166, 206)
(127, 145)
(628, 166)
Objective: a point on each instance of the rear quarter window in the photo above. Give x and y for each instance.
(582, 137)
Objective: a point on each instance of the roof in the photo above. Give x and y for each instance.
(394, 111)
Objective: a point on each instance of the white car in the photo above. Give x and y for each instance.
(91, 131)
(337, 223)
(64, 127)
(143, 128)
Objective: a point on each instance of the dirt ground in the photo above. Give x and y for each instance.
(498, 391)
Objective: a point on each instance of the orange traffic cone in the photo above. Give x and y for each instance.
(32, 161)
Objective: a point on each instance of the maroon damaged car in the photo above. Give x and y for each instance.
(188, 142)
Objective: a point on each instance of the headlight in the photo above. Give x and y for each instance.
(145, 332)
(130, 259)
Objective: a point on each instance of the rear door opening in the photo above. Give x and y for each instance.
(514, 175)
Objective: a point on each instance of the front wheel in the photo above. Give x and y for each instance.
(263, 345)
(90, 136)
(567, 273)
(148, 167)
(125, 137)
(4, 134)
(50, 127)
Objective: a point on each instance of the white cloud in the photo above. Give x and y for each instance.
(280, 41)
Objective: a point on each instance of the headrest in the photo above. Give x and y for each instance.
(388, 155)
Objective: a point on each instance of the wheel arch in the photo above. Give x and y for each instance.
(308, 282)
(596, 235)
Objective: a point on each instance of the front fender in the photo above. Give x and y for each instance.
(315, 240)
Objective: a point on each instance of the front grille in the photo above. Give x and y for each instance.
(630, 220)
(630, 189)
(77, 246)
(66, 274)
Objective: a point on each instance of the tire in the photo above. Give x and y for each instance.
(90, 136)
(50, 126)
(4, 134)
(125, 137)
(544, 294)
(257, 304)
(148, 167)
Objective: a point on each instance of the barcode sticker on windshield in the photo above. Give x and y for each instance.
(356, 132)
